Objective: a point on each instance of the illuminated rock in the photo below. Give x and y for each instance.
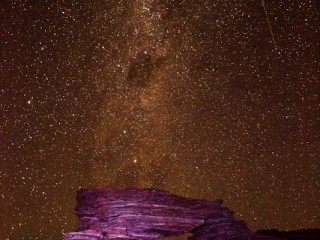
(145, 214)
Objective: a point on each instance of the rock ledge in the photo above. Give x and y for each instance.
(145, 214)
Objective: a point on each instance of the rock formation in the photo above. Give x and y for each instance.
(145, 214)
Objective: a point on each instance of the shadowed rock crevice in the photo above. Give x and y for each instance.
(146, 214)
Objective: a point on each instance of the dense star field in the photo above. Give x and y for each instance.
(203, 98)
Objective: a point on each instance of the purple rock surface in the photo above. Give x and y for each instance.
(145, 214)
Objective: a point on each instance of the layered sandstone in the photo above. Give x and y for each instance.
(146, 214)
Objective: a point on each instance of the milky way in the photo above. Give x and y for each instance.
(206, 99)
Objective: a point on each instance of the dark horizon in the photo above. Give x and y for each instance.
(206, 99)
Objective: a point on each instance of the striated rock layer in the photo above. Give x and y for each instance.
(145, 214)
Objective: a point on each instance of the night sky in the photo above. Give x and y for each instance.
(203, 98)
